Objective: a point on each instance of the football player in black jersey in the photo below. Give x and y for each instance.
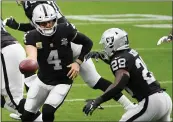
(12, 54)
(132, 75)
(49, 44)
(87, 71)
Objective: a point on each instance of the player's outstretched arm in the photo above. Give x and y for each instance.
(11, 22)
(25, 27)
(98, 55)
(122, 78)
(31, 52)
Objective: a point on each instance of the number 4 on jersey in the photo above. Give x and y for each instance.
(54, 59)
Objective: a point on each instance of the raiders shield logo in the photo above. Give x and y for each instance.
(64, 41)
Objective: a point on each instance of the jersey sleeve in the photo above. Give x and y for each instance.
(121, 62)
(71, 31)
(29, 38)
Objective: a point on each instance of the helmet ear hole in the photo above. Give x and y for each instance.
(111, 46)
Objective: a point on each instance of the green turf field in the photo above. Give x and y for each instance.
(131, 16)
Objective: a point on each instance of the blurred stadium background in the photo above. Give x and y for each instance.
(145, 23)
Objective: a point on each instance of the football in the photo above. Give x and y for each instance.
(28, 66)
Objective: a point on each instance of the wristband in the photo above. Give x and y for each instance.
(78, 61)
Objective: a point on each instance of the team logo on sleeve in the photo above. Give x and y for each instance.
(64, 41)
(39, 45)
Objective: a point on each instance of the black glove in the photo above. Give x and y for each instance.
(11, 22)
(91, 106)
(93, 54)
(99, 107)
(97, 55)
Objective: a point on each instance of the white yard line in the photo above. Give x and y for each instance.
(105, 106)
(85, 85)
(80, 85)
(82, 100)
(152, 49)
(12, 1)
(147, 49)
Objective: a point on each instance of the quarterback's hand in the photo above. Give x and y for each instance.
(74, 71)
(11, 22)
(90, 106)
(163, 40)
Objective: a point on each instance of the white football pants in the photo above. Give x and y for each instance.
(40, 93)
(12, 79)
(157, 107)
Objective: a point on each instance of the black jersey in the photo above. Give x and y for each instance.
(54, 53)
(142, 83)
(6, 38)
(29, 6)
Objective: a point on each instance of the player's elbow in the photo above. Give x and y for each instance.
(90, 44)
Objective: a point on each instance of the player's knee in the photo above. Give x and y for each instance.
(48, 113)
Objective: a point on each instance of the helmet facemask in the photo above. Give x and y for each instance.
(107, 45)
(44, 30)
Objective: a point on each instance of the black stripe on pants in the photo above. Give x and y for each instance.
(6, 81)
(141, 112)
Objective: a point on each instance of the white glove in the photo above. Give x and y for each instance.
(130, 106)
(162, 40)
